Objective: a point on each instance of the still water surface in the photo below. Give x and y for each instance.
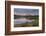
(21, 20)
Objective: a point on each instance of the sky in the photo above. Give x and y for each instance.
(26, 11)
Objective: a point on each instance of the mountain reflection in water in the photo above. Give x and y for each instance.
(22, 20)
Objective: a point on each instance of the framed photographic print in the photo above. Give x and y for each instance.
(24, 17)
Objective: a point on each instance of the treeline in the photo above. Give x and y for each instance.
(28, 17)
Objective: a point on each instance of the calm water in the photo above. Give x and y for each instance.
(21, 20)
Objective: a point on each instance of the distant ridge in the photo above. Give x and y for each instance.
(25, 14)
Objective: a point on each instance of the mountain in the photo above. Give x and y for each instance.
(25, 14)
